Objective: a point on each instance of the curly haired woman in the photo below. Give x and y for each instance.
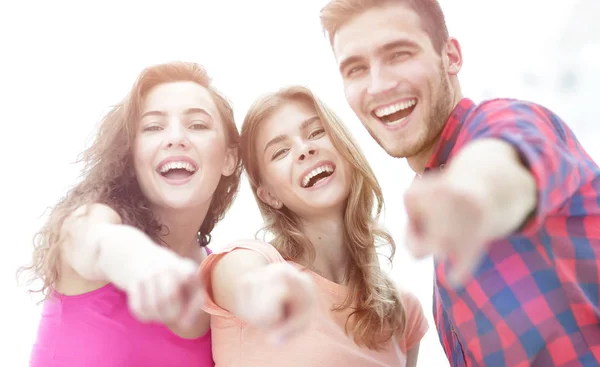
(118, 254)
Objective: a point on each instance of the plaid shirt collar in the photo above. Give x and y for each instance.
(450, 133)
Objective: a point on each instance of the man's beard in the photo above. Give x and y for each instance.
(432, 125)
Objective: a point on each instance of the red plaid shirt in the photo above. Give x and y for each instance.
(534, 299)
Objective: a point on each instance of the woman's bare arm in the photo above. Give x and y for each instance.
(100, 248)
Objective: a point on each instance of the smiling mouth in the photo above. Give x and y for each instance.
(177, 170)
(316, 175)
(396, 113)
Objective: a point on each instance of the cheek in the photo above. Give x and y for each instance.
(142, 166)
(277, 175)
(347, 170)
(280, 174)
(352, 91)
(211, 149)
(420, 74)
(141, 156)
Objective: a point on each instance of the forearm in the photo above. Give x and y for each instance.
(123, 251)
(99, 248)
(494, 167)
(228, 274)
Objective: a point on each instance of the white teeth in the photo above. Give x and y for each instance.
(314, 172)
(385, 111)
(395, 122)
(177, 165)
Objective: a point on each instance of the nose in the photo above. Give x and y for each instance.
(176, 136)
(380, 82)
(307, 151)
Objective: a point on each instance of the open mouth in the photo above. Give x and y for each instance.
(396, 113)
(317, 175)
(178, 170)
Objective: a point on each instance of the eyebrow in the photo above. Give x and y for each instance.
(279, 138)
(189, 111)
(386, 47)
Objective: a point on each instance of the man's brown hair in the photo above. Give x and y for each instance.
(338, 12)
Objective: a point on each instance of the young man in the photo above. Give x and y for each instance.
(506, 198)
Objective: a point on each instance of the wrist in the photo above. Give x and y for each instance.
(483, 194)
(125, 253)
(506, 201)
(525, 200)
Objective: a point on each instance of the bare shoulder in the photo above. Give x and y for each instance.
(93, 212)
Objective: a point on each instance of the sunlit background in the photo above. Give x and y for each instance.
(64, 63)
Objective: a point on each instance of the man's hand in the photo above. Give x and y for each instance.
(486, 194)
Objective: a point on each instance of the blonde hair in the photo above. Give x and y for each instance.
(378, 312)
(338, 12)
(109, 178)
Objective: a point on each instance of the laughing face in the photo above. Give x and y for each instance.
(394, 80)
(180, 150)
(299, 166)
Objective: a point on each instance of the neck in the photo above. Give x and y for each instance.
(327, 236)
(183, 226)
(419, 161)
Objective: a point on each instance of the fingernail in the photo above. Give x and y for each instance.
(455, 281)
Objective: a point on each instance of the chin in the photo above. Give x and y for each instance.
(395, 152)
(331, 201)
(395, 148)
(178, 203)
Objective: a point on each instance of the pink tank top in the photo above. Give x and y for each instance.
(97, 329)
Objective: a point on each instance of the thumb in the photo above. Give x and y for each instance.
(416, 230)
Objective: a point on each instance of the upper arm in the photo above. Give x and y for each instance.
(415, 327)
(416, 324)
(222, 271)
(80, 232)
(228, 271)
(412, 356)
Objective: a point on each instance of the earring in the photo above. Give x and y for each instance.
(201, 239)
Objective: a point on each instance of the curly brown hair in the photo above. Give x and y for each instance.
(377, 310)
(108, 175)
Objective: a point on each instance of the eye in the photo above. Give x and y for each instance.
(279, 153)
(399, 55)
(354, 70)
(316, 133)
(198, 125)
(152, 127)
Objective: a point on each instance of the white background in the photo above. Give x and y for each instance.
(64, 63)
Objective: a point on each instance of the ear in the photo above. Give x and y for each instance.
(453, 56)
(231, 160)
(266, 197)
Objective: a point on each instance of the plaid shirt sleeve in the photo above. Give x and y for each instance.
(534, 299)
(542, 144)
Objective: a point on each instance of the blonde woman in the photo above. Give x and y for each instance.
(119, 252)
(315, 296)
